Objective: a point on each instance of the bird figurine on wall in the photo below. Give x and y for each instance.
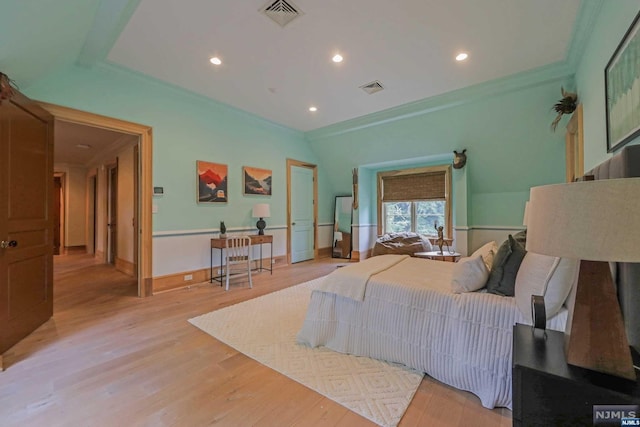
(459, 159)
(566, 105)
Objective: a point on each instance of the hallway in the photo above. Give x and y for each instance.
(79, 278)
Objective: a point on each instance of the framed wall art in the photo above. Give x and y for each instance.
(256, 181)
(622, 90)
(212, 182)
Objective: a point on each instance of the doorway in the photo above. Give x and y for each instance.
(302, 211)
(91, 213)
(58, 214)
(143, 228)
(112, 214)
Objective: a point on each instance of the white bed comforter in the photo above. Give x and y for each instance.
(410, 316)
(352, 282)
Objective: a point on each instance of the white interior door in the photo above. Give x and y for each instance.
(302, 227)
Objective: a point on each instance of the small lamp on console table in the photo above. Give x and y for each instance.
(595, 222)
(261, 210)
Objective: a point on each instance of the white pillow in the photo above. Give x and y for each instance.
(469, 274)
(488, 251)
(548, 276)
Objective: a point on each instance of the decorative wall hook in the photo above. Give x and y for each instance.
(566, 105)
(459, 159)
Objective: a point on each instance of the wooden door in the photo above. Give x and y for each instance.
(112, 215)
(26, 219)
(136, 205)
(57, 204)
(574, 146)
(302, 214)
(91, 215)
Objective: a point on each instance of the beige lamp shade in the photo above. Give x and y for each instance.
(261, 210)
(590, 220)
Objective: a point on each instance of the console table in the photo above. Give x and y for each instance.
(549, 392)
(259, 240)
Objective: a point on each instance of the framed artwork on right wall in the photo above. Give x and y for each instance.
(622, 90)
(257, 181)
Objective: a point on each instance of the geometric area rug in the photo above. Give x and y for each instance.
(265, 329)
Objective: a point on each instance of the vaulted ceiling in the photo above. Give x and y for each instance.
(277, 72)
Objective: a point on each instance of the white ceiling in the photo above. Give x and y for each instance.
(277, 73)
(102, 143)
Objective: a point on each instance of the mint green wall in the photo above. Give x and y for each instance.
(37, 37)
(509, 147)
(187, 128)
(367, 198)
(612, 23)
(504, 125)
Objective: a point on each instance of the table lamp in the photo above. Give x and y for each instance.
(595, 222)
(261, 210)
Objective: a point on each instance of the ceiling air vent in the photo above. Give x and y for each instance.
(372, 87)
(282, 12)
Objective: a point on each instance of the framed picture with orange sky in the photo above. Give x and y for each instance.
(256, 181)
(212, 182)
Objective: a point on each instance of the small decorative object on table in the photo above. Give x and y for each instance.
(223, 230)
(440, 241)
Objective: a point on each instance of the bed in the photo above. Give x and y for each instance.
(408, 314)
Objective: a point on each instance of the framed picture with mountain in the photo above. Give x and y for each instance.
(212, 182)
(256, 181)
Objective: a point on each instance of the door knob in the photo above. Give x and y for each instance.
(10, 244)
(293, 223)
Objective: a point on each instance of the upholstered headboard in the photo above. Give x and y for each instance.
(625, 164)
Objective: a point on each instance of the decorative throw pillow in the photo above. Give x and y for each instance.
(548, 276)
(496, 270)
(469, 274)
(488, 252)
(502, 279)
(521, 237)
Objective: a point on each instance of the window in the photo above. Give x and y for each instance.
(415, 200)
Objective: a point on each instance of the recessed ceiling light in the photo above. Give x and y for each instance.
(313, 109)
(215, 60)
(337, 58)
(461, 56)
(83, 146)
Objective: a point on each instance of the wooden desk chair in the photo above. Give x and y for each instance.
(238, 255)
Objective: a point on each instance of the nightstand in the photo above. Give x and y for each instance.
(438, 256)
(549, 392)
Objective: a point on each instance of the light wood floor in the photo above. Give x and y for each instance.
(108, 358)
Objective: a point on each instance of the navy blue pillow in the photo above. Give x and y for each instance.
(506, 263)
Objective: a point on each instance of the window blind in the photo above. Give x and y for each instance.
(418, 186)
